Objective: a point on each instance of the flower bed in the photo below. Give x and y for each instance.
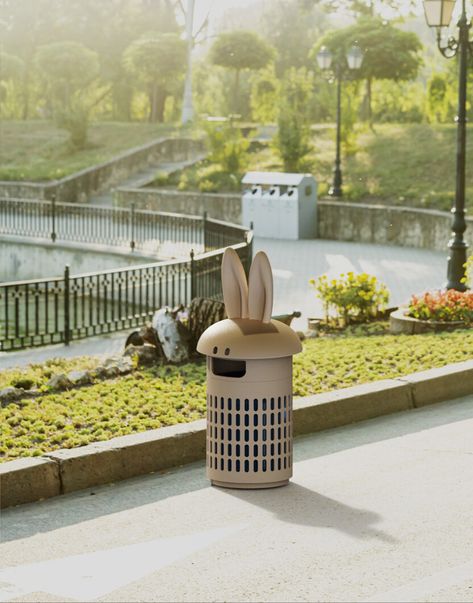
(152, 397)
(443, 306)
(434, 311)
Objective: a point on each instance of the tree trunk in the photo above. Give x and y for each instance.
(157, 103)
(236, 99)
(26, 93)
(369, 96)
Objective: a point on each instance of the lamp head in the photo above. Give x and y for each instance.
(355, 57)
(324, 58)
(438, 13)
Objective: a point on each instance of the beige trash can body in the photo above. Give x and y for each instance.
(249, 401)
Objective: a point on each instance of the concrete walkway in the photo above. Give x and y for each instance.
(402, 269)
(378, 511)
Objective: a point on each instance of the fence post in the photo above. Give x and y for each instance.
(192, 275)
(132, 227)
(67, 332)
(53, 216)
(206, 243)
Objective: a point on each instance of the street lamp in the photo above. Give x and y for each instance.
(438, 14)
(354, 58)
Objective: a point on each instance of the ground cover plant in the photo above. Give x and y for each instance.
(165, 395)
(39, 150)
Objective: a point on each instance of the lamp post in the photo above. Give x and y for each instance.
(354, 58)
(438, 14)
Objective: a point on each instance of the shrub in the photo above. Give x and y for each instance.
(228, 148)
(444, 306)
(352, 296)
(292, 140)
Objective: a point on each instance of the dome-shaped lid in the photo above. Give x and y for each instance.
(248, 333)
(247, 339)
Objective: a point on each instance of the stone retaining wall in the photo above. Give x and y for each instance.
(338, 220)
(24, 258)
(404, 226)
(221, 206)
(78, 187)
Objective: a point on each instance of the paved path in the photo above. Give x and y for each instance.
(402, 269)
(378, 511)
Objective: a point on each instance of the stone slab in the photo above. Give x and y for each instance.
(27, 480)
(127, 456)
(444, 383)
(341, 407)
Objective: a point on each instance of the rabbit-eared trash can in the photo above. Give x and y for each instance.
(249, 382)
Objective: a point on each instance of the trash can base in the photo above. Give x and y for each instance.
(241, 486)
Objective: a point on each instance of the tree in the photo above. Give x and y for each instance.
(292, 140)
(388, 53)
(158, 60)
(68, 69)
(240, 50)
(364, 7)
(291, 27)
(11, 72)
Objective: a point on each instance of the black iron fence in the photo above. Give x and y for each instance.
(70, 307)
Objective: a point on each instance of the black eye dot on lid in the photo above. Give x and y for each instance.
(227, 351)
(215, 349)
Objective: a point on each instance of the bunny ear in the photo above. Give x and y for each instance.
(234, 284)
(260, 297)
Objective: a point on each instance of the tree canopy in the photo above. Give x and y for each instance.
(241, 50)
(157, 59)
(68, 63)
(388, 52)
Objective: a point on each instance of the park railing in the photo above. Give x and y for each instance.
(70, 307)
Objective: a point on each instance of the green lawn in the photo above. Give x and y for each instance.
(152, 398)
(37, 150)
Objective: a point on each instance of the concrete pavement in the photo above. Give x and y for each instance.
(377, 511)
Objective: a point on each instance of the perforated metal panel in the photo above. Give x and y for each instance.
(249, 440)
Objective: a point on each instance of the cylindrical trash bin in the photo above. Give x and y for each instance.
(249, 382)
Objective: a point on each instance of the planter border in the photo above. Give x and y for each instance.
(400, 322)
(35, 478)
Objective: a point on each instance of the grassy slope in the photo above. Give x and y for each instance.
(403, 164)
(37, 150)
(151, 398)
(398, 164)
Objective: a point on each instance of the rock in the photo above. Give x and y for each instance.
(301, 335)
(147, 355)
(115, 365)
(146, 334)
(202, 314)
(79, 377)
(172, 335)
(24, 383)
(124, 364)
(10, 394)
(59, 381)
(99, 372)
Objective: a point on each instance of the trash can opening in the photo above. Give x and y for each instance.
(228, 368)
